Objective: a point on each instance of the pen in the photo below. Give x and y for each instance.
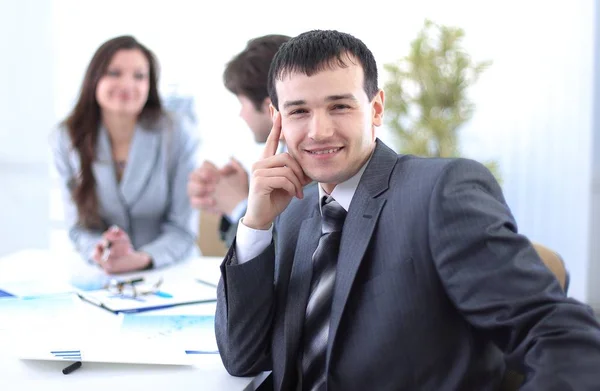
(71, 368)
(106, 252)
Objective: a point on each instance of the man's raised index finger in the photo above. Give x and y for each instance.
(273, 140)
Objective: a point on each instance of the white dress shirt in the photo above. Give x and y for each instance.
(251, 242)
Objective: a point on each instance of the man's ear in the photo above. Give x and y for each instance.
(266, 105)
(377, 105)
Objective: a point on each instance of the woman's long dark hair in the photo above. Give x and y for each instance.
(84, 121)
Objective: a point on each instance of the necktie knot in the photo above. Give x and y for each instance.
(333, 215)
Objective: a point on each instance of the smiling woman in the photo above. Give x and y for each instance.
(124, 162)
(112, 92)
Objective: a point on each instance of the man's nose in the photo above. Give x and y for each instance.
(320, 127)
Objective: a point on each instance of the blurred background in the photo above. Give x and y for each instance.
(535, 107)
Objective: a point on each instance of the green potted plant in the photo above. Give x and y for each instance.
(426, 93)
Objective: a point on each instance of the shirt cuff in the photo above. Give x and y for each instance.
(238, 212)
(250, 242)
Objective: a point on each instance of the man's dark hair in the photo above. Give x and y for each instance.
(247, 73)
(314, 51)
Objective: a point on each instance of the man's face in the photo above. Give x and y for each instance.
(259, 121)
(328, 122)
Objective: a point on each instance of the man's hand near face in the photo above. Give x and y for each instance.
(276, 179)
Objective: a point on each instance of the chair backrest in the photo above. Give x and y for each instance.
(209, 240)
(554, 262)
(512, 379)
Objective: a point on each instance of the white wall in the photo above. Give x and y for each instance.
(534, 105)
(594, 223)
(26, 114)
(535, 113)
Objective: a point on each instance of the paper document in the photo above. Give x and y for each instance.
(97, 346)
(208, 270)
(140, 339)
(195, 334)
(34, 288)
(57, 311)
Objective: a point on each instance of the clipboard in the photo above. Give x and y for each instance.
(169, 295)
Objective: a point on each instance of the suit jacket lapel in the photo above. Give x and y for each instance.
(299, 287)
(363, 214)
(143, 153)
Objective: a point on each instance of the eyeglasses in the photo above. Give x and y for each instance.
(132, 288)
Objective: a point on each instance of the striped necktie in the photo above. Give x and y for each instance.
(318, 309)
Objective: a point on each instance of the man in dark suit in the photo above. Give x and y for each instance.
(395, 272)
(224, 191)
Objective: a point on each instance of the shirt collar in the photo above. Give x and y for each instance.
(343, 192)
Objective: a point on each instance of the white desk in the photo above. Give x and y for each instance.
(207, 373)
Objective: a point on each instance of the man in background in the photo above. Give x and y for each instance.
(224, 191)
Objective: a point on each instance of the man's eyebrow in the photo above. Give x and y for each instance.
(332, 98)
(293, 103)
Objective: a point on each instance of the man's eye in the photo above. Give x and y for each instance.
(341, 107)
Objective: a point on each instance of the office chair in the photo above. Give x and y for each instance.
(209, 240)
(513, 379)
(555, 263)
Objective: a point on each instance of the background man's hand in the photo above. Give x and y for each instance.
(231, 188)
(201, 187)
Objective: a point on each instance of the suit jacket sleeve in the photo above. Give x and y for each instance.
(497, 281)
(244, 316)
(180, 227)
(84, 240)
(228, 230)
